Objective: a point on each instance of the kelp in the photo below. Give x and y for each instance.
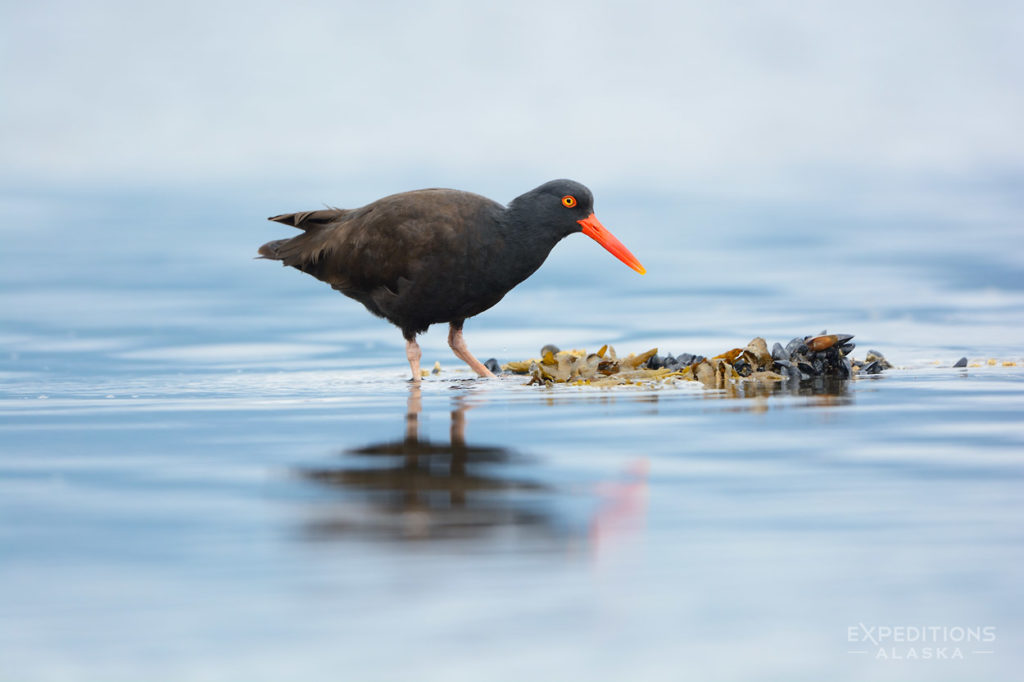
(804, 358)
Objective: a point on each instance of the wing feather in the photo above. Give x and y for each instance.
(392, 255)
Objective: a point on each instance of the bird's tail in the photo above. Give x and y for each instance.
(317, 227)
(272, 250)
(309, 219)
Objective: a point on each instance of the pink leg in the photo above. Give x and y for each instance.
(458, 346)
(412, 351)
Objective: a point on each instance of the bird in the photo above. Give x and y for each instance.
(434, 256)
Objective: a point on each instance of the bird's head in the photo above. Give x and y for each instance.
(568, 206)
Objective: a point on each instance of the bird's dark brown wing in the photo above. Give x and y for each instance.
(381, 252)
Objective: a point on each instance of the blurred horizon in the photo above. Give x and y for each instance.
(794, 156)
(902, 107)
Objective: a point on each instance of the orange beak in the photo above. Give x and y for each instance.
(593, 228)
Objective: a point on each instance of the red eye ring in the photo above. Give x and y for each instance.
(569, 201)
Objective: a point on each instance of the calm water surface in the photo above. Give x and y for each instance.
(212, 467)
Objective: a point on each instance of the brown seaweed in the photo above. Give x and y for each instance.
(807, 358)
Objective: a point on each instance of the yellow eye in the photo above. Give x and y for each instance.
(569, 201)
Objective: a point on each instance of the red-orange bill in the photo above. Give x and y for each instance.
(593, 228)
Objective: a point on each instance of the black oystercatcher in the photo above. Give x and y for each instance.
(439, 255)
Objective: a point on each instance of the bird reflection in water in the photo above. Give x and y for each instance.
(417, 489)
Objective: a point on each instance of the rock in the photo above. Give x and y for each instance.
(758, 350)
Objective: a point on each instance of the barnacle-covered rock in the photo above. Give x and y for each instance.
(820, 357)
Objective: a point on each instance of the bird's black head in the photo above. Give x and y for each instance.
(558, 205)
(561, 207)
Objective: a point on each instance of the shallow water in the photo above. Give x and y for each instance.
(213, 468)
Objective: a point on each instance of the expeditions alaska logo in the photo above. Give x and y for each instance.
(924, 642)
